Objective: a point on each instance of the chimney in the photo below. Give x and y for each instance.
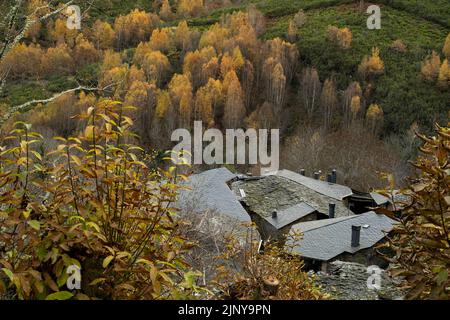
(274, 214)
(316, 175)
(303, 172)
(356, 233)
(331, 210)
(329, 178)
(334, 176)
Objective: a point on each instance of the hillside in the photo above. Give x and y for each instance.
(404, 97)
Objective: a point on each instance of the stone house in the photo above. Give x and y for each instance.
(351, 239)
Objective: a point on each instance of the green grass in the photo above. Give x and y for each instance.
(403, 96)
(437, 11)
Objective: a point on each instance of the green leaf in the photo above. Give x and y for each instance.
(442, 277)
(61, 295)
(34, 224)
(107, 260)
(8, 273)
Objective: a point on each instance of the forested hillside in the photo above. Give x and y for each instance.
(341, 93)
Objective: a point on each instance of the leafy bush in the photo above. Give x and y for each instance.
(92, 202)
(276, 274)
(422, 238)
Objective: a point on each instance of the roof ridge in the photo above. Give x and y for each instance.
(336, 220)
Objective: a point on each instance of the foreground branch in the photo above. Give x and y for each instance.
(28, 104)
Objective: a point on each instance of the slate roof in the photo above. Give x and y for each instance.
(209, 191)
(379, 199)
(275, 192)
(325, 239)
(290, 215)
(332, 190)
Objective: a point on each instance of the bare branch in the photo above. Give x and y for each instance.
(28, 104)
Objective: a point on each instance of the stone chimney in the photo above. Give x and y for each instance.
(303, 172)
(356, 234)
(316, 175)
(274, 214)
(334, 176)
(331, 210)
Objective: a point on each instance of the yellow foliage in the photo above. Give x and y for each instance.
(341, 37)
(58, 60)
(163, 103)
(292, 32)
(135, 27)
(430, 67)
(103, 35)
(444, 75)
(63, 35)
(84, 52)
(161, 40)
(23, 61)
(446, 49)
(355, 105)
(166, 11)
(372, 65)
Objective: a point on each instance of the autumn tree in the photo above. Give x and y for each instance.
(398, 46)
(161, 40)
(185, 39)
(165, 11)
(256, 19)
(328, 101)
(355, 108)
(372, 65)
(341, 37)
(84, 52)
(102, 35)
(180, 90)
(292, 32)
(214, 89)
(283, 52)
(214, 37)
(63, 35)
(351, 103)
(310, 89)
(135, 27)
(430, 67)
(374, 117)
(444, 75)
(23, 62)
(264, 117)
(111, 59)
(446, 49)
(203, 107)
(166, 117)
(275, 83)
(113, 73)
(142, 95)
(190, 8)
(58, 60)
(234, 112)
(194, 63)
(157, 67)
